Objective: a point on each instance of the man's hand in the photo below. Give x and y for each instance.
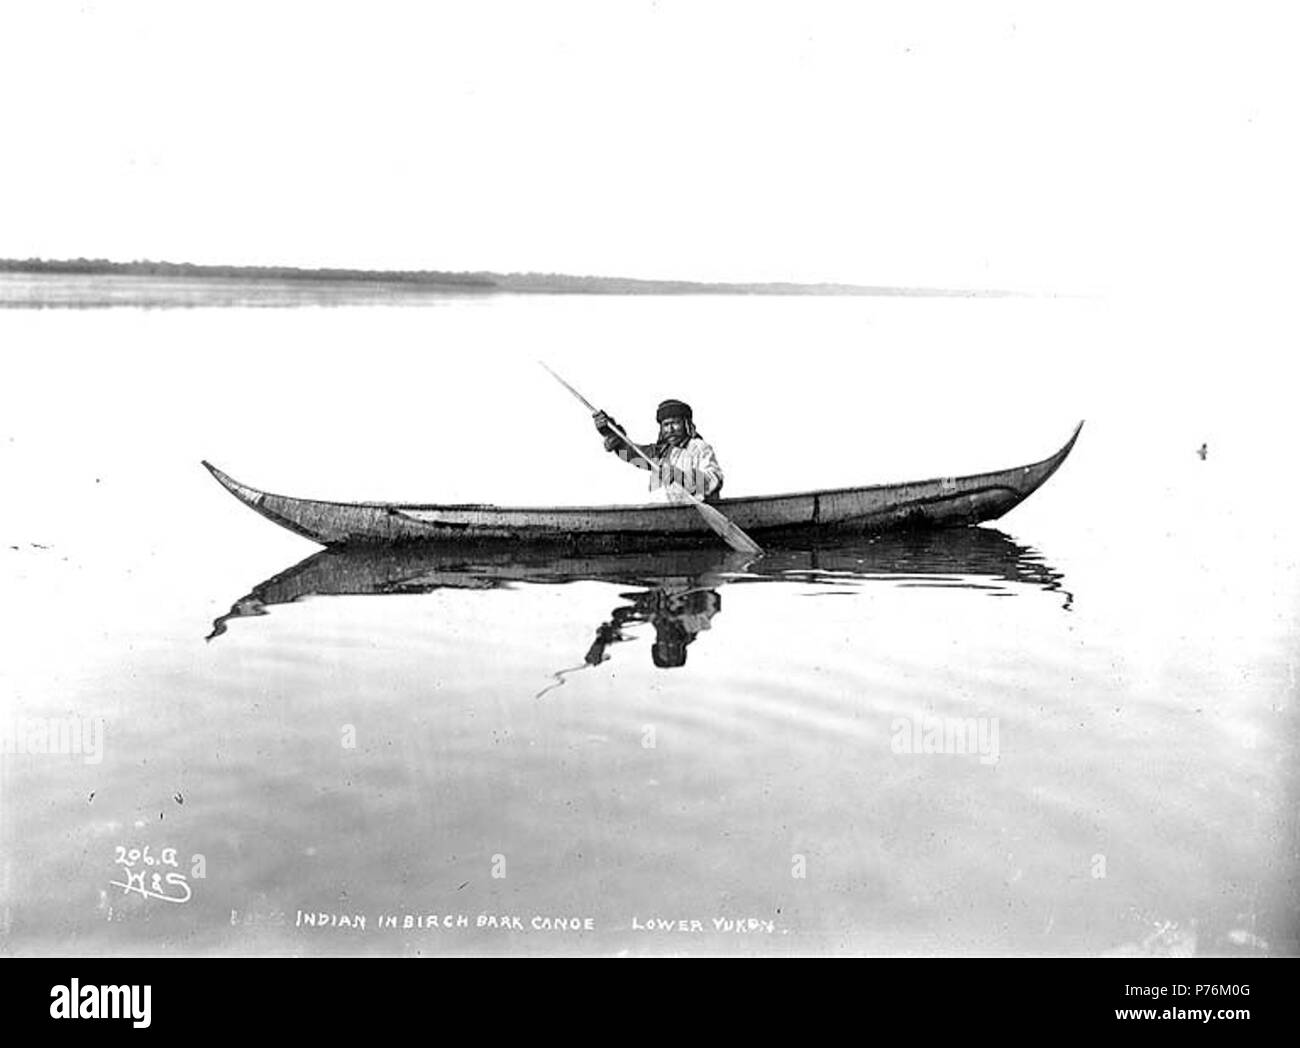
(605, 427)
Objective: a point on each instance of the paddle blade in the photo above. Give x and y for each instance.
(729, 530)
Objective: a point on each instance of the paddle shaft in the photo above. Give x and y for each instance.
(581, 399)
(612, 425)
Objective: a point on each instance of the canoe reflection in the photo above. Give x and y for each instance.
(675, 591)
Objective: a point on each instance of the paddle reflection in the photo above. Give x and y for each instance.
(675, 591)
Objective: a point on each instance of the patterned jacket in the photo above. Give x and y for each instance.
(695, 467)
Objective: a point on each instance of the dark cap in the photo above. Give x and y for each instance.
(673, 409)
(669, 649)
(669, 655)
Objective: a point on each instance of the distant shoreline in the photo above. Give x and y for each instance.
(469, 283)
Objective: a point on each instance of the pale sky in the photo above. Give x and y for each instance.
(1064, 147)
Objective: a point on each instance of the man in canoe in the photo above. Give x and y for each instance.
(681, 456)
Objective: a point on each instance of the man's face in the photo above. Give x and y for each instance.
(673, 430)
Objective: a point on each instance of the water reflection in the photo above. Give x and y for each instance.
(675, 591)
(677, 616)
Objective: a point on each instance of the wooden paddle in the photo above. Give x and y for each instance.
(714, 518)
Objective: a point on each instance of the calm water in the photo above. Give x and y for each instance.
(744, 749)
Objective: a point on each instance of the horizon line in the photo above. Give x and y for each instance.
(531, 281)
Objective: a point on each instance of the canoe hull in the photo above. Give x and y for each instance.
(940, 502)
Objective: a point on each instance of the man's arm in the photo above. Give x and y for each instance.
(624, 451)
(605, 426)
(708, 469)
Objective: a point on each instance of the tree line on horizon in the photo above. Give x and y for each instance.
(524, 283)
(94, 266)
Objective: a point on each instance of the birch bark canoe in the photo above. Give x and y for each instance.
(771, 519)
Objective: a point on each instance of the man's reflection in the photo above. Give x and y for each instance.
(678, 612)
